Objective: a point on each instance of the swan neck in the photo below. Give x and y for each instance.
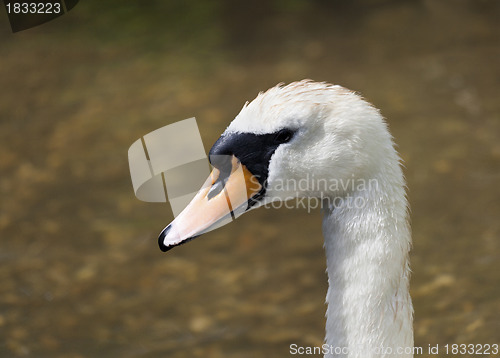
(367, 241)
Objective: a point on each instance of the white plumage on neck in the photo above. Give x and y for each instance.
(367, 241)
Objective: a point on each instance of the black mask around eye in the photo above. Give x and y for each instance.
(254, 151)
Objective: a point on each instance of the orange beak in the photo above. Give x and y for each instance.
(216, 204)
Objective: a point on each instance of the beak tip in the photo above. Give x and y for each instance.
(161, 240)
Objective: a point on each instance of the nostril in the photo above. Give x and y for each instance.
(216, 188)
(224, 164)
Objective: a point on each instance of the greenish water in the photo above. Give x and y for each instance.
(81, 272)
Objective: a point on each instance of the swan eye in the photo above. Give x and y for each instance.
(284, 136)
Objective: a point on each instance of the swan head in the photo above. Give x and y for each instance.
(300, 132)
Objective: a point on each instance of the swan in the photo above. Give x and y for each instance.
(316, 131)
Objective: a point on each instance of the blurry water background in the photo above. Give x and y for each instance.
(81, 274)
